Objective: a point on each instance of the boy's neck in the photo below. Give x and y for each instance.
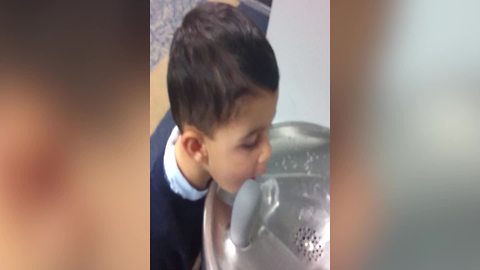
(193, 172)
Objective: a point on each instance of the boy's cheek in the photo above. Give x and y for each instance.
(230, 171)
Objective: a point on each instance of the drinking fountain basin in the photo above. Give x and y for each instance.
(281, 220)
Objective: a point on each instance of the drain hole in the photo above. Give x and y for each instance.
(307, 243)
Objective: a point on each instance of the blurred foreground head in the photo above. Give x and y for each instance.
(74, 135)
(355, 210)
(415, 88)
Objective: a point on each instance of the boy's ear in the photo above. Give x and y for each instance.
(193, 141)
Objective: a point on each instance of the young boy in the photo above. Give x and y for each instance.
(222, 85)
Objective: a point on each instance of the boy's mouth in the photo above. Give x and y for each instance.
(259, 172)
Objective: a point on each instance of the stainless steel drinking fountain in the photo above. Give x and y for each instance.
(281, 220)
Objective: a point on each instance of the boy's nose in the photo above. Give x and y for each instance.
(266, 153)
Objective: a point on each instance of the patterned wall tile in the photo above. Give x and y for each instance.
(165, 17)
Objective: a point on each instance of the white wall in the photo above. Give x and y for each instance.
(299, 32)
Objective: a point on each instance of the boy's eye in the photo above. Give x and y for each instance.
(249, 146)
(250, 143)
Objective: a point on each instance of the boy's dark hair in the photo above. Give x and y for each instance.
(217, 57)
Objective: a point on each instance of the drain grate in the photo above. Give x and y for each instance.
(307, 243)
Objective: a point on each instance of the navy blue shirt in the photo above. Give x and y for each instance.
(175, 222)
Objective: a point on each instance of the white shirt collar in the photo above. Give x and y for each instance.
(178, 182)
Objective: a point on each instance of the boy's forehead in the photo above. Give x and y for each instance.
(257, 108)
(253, 113)
(257, 97)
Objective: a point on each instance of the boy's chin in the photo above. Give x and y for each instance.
(232, 188)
